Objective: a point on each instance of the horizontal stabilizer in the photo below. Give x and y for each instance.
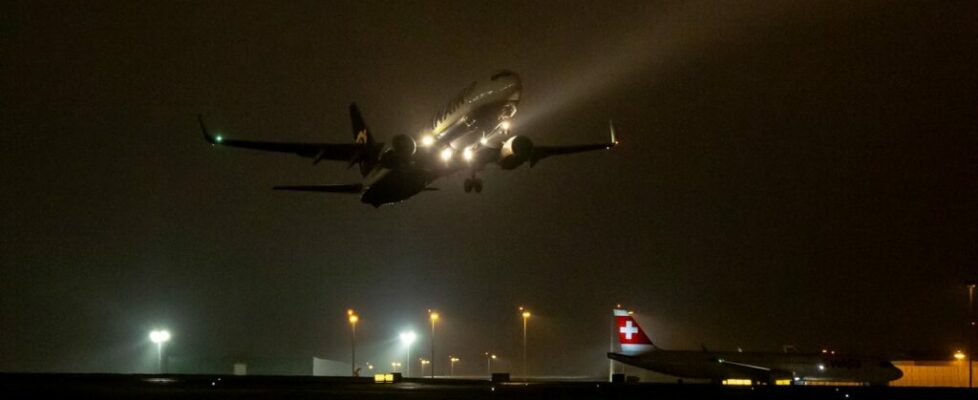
(341, 188)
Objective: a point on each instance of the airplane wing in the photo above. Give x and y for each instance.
(737, 365)
(541, 152)
(755, 371)
(319, 151)
(341, 188)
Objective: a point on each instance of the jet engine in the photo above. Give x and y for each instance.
(515, 151)
(402, 149)
(404, 146)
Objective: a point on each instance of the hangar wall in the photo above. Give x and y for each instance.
(933, 373)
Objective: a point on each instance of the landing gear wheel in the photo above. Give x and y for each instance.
(477, 185)
(467, 185)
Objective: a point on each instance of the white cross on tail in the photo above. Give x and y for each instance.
(628, 330)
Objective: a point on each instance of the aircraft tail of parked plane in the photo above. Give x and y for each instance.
(631, 336)
(746, 367)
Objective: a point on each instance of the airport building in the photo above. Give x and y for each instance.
(933, 373)
(257, 366)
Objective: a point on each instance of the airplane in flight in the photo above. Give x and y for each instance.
(746, 367)
(469, 133)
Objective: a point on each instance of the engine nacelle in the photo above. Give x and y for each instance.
(400, 153)
(515, 151)
(404, 146)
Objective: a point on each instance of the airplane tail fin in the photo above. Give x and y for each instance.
(364, 139)
(361, 133)
(632, 338)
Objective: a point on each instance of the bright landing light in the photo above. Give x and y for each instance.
(467, 154)
(427, 140)
(504, 125)
(446, 154)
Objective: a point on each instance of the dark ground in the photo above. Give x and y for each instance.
(254, 387)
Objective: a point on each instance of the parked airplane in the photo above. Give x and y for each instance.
(747, 367)
(472, 131)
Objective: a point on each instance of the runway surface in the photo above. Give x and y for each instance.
(117, 386)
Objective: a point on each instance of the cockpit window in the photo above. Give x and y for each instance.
(501, 74)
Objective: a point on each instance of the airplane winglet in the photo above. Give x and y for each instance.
(614, 137)
(207, 136)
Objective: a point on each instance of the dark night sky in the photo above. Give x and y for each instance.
(790, 172)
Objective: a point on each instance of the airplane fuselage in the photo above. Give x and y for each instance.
(755, 366)
(474, 118)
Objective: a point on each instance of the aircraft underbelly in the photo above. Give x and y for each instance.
(684, 370)
(395, 185)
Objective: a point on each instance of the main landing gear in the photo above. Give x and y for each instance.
(473, 183)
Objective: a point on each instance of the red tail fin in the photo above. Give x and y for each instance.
(633, 340)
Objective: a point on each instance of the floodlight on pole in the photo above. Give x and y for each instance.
(408, 338)
(354, 318)
(526, 316)
(433, 316)
(159, 337)
(489, 358)
(973, 331)
(453, 360)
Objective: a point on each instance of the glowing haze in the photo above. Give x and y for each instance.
(790, 173)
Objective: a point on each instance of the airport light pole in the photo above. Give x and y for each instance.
(611, 345)
(159, 337)
(433, 316)
(353, 338)
(489, 358)
(452, 360)
(973, 332)
(526, 316)
(408, 338)
(959, 357)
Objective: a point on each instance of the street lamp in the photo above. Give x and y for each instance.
(353, 336)
(433, 316)
(611, 344)
(961, 356)
(407, 338)
(159, 337)
(970, 342)
(453, 360)
(489, 358)
(526, 316)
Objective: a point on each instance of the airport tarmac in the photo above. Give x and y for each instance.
(112, 386)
